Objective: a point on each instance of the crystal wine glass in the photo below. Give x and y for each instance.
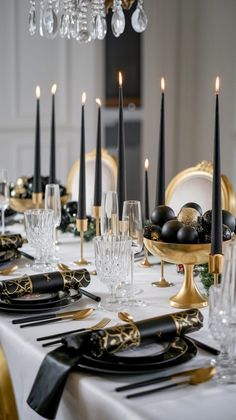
(4, 195)
(53, 202)
(112, 259)
(39, 232)
(132, 227)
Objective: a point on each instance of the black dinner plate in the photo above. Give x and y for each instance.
(35, 298)
(63, 299)
(178, 350)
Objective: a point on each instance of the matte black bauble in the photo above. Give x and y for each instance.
(152, 232)
(169, 231)
(71, 208)
(228, 220)
(193, 206)
(206, 221)
(161, 214)
(226, 233)
(187, 235)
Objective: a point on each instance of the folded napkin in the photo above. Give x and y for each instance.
(48, 386)
(11, 242)
(43, 283)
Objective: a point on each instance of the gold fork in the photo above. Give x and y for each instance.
(8, 270)
(64, 267)
(101, 324)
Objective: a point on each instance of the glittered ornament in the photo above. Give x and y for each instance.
(71, 208)
(226, 232)
(161, 214)
(169, 231)
(187, 235)
(152, 232)
(189, 216)
(193, 206)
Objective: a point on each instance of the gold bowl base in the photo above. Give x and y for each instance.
(82, 262)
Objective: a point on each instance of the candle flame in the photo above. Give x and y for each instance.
(217, 85)
(146, 164)
(54, 88)
(120, 78)
(83, 98)
(162, 84)
(37, 92)
(98, 101)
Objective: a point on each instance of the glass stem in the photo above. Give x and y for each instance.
(132, 273)
(3, 221)
(54, 239)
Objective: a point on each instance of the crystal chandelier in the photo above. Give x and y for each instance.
(83, 20)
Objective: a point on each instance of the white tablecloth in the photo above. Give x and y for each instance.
(89, 396)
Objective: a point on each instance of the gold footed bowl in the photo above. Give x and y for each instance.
(188, 255)
(22, 204)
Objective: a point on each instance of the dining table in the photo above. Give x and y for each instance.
(90, 394)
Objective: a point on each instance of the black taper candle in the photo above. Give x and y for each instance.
(216, 228)
(37, 184)
(160, 185)
(98, 163)
(146, 191)
(52, 171)
(121, 173)
(81, 211)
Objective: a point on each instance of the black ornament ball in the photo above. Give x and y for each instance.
(206, 221)
(228, 220)
(169, 231)
(71, 208)
(193, 206)
(226, 232)
(187, 235)
(161, 214)
(152, 232)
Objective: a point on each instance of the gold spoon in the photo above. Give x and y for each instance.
(64, 267)
(8, 270)
(125, 316)
(197, 377)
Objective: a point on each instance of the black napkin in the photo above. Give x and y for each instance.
(43, 283)
(11, 241)
(48, 386)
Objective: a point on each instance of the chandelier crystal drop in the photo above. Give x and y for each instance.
(83, 20)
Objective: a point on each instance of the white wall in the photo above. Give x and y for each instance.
(187, 41)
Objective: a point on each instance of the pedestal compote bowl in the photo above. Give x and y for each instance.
(188, 255)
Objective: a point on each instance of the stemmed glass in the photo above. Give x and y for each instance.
(132, 227)
(39, 232)
(109, 216)
(222, 318)
(112, 259)
(53, 202)
(4, 195)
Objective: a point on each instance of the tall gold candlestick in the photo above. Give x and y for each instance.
(162, 282)
(82, 226)
(97, 216)
(37, 199)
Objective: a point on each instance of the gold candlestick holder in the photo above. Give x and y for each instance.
(37, 199)
(162, 282)
(97, 216)
(145, 263)
(215, 265)
(82, 226)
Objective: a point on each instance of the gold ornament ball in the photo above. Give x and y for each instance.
(188, 216)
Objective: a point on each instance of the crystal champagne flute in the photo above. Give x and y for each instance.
(53, 202)
(4, 195)
(133, 228)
